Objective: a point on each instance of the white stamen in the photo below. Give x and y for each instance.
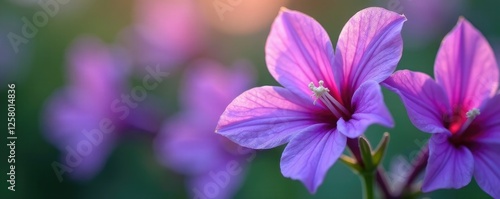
(471, 115)
(318, 91)
(322, 93)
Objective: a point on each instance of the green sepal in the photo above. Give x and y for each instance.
(366, 154)
(378, 154)
(351, 163)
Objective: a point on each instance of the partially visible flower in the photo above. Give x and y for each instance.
(460, 109)
(426, 18)
(327, 98)
(398, 172)
(85, 118)
(187, 143)
(166, 31)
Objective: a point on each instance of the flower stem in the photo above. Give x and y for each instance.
(368, 177)
(368, 181)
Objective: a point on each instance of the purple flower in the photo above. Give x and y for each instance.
(460, 109)
(213, 164)
(326, 98)
(84, 119)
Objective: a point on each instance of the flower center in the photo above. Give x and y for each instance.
(323, 94)
(461, 134)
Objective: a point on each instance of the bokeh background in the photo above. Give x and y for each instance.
(40, 69)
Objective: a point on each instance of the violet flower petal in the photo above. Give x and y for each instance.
(369, 48)
(486, 163)
(311, 153)
(425, 101)
(370, 109)
(266, 117)
(466, 66)
(448, 166)
(298, 52)
(488, 122)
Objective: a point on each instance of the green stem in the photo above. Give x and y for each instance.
(368, 181)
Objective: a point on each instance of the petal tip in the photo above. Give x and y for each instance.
(404, 17)
(284, 9)
(218, 129)
(311, 187)
(389, 123)
(462, 19)
(464, 23)
(383, 10)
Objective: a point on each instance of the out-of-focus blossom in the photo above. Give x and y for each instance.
(327, 98)
(398, 172)
(166, 31)
(460, 109)
(426, 18)
(85, 118)
(240, 16)
(187, 143)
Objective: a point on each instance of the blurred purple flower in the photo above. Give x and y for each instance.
(166, 32)
(345, 88)
(188, 145)
(426, 18)
(460, 109)
(83, 120)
